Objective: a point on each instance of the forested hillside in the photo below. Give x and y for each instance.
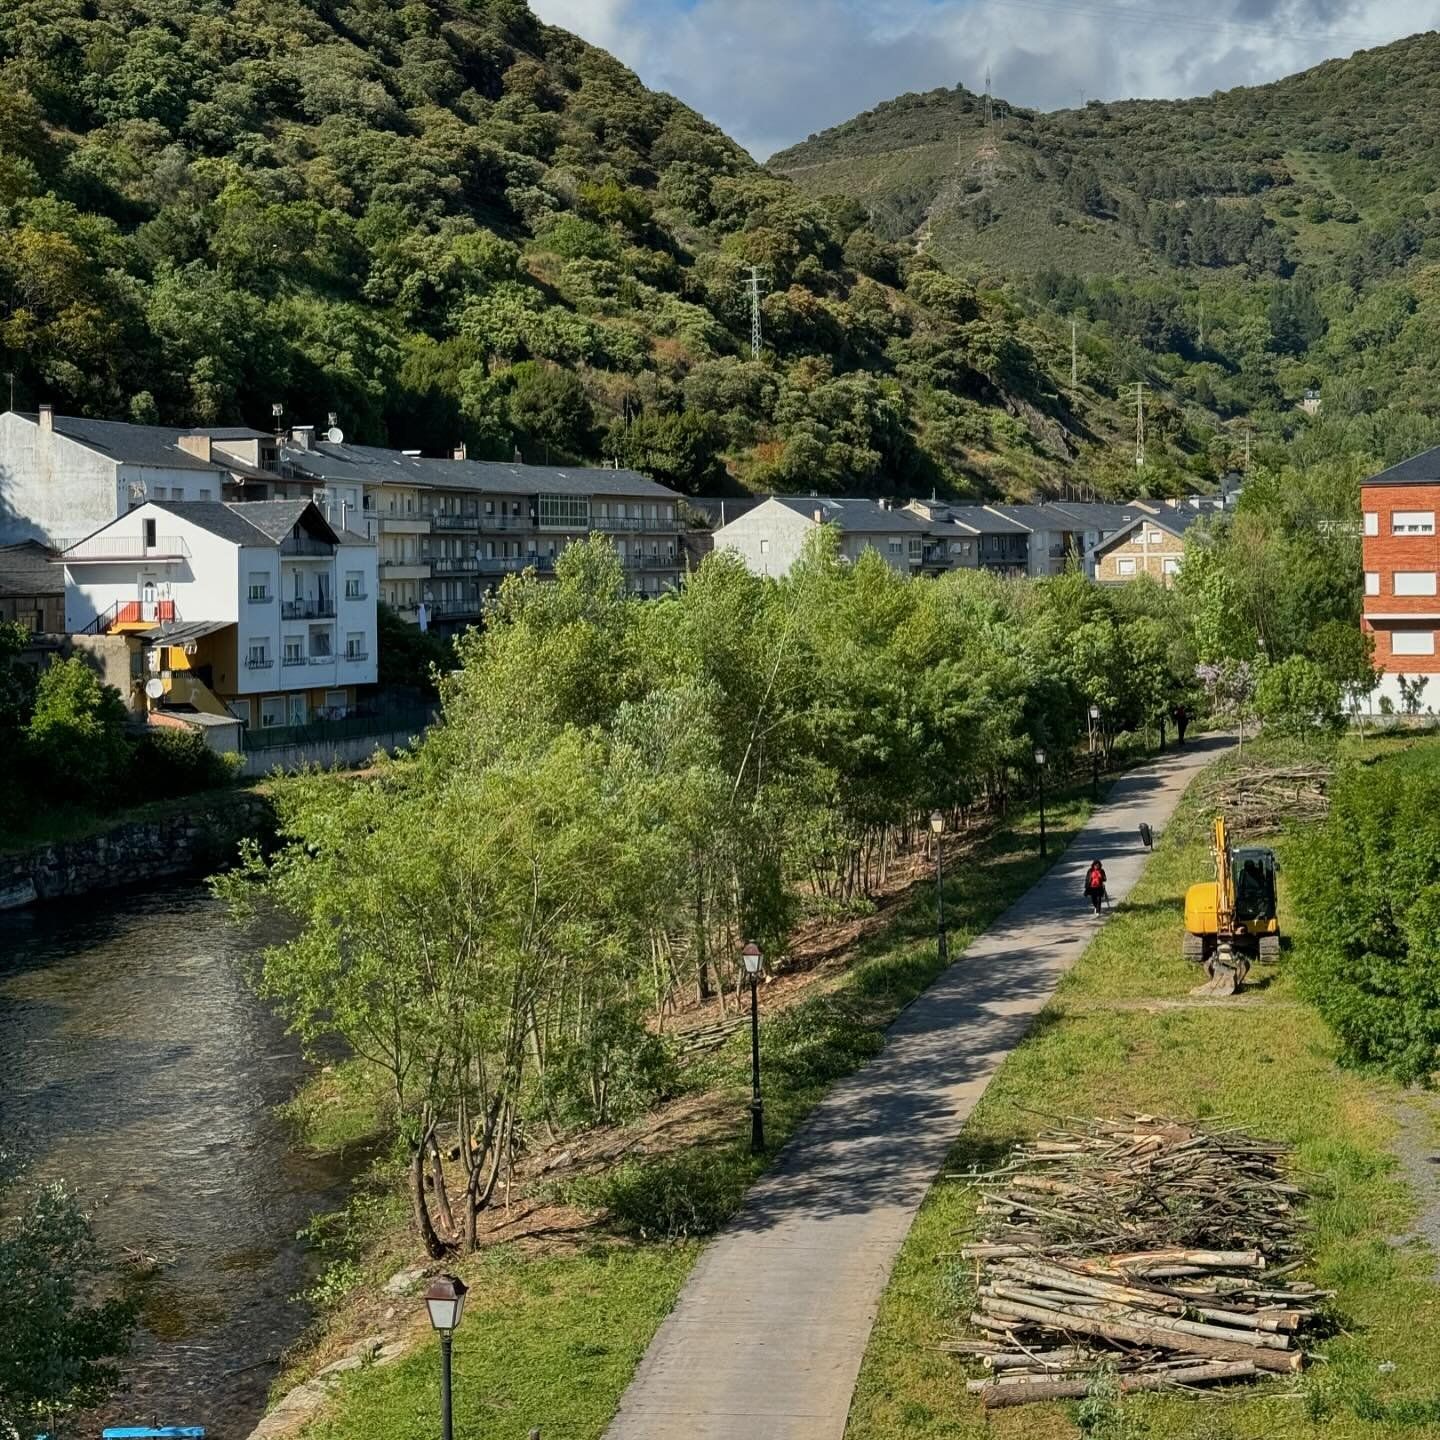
(1235, 251)
(445, 219)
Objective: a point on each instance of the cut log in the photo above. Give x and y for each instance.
(1027, 1389)
(1131, 1332)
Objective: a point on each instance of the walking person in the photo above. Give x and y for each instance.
(1095, 885)
(1181, 716)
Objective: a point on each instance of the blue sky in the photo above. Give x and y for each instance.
(773, 71)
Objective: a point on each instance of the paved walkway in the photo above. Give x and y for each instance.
(766, 1339)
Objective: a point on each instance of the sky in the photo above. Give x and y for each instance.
(771, 72)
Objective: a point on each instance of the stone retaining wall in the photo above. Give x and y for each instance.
(195, 842)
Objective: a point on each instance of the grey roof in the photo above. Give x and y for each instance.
(153, 445)
(1421, 469)
(1176, 522)
(254, 522)
(858, 515)
(181, 632)
(984, 521)
(28, 569)
(371, 465)
(1101, 515)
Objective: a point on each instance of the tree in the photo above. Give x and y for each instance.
(1296, 697)
(59, 1333)
(77, 731)
(549, 407)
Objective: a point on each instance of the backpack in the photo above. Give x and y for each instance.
(1095, 878)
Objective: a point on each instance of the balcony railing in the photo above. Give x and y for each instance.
(307, 545)
(456, 522)
(127, 547)
(506, 522)
(357, 654)
(133, 612)
(355, 595)
(293, 660)
(416, 563)
(453, 564)
(259, 662)
(322, 659)
(513, 564)
(312, 609)
(614, 523)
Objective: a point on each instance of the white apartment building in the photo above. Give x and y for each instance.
(63, 477)
(260, 610)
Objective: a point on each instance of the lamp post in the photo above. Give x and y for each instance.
(1094, 752)
(754, 961)
(445, 1300)
(1040, 768)
(937, 829)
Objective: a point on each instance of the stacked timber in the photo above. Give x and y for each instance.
(1259, 800)
(1151, 1250)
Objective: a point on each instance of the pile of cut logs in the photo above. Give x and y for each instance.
(1144, 1248)
(1258, 800)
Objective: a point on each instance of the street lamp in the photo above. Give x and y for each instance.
(937, 828)
(754, 962)
(1094, 752)
(445, 1300)
(1040, 768)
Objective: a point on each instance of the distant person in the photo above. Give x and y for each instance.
(1095, 885)
(1181, 716)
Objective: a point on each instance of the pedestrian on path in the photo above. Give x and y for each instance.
(1095, 885)
(1181, 716)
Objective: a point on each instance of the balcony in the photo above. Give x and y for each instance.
(314, 608)
(615, 524)
(453, 565)
(290, 660)
(306, 547)
(357, 656)
(107, 549)
(322, 659)
(513, 564)
(139, 614)
(455, 522)
(259, 662)
(355, 595)
(506, 522)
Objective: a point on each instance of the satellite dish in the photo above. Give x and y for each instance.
(155, 688)
(335, 435)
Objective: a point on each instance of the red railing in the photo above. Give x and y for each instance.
(133, 612)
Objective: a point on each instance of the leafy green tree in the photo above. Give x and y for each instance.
(549, 408)
(1296, 697)
(61, 1333)
(76, 732)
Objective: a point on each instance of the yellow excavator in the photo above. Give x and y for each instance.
(1233, 917)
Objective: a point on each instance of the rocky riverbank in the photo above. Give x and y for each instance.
(194, 840)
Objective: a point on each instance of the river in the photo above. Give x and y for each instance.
(137, 1065)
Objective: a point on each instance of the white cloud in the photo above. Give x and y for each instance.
(772, 71)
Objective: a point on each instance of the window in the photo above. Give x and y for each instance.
(896, 547)
(569, 511)
(1372, 523)
(294, 650)
(489, 507)
(1372, 582)
(257, 657)
(272, 711)
(149, 534)
(206, 494)
(1125, 567)
(1412, 522)
(337, 703)
(320, 645)
(240, 709)
(297, 710)
(1171, 565)
(1412, 642)
(1414, 582)
(354, 585)
(259, 585)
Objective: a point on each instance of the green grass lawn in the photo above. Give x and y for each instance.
(1266, 1063)
(553, 1341)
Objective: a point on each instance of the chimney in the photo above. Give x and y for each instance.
(196, 445)
(301, 435)
(818, 515)
(47, 419)
(458, 453)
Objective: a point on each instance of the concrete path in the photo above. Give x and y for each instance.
(766, 1339)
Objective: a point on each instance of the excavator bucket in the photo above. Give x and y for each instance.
(1227, 972)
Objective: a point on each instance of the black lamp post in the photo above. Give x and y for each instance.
(1094, 752)
(445, 1300)
(1040, 769)
(754, 962)
(937, 828)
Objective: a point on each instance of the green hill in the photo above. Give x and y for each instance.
(1235, 250)
(442, 219)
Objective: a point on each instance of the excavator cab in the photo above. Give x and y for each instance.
(1235, 917)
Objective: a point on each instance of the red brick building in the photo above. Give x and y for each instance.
(1402, 576)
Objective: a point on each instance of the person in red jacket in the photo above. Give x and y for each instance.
(1095, 884)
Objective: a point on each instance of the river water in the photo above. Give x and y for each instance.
(137, 1065)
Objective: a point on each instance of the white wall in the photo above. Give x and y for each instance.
(854, 544)
(769, 538)
(202, 585)
(57, 491)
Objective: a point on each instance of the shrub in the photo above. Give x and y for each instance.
(675, 1198)
(167, 763)
(1296, 696)
(1369, 885)
(76, 733)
